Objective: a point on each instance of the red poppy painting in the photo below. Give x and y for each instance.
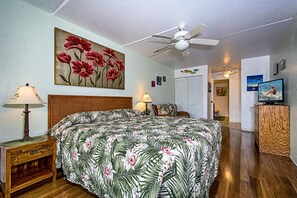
(80, 62)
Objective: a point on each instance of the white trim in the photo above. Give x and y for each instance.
(254, 28)
(293, 160)
(139, 40)
(60, 6)
(249, 130)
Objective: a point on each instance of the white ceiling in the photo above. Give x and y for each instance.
(245, 28)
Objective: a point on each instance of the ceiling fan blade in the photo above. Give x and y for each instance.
(195, 31)
(186, 52)
(167, 47)
(204, 41)
(160, 36)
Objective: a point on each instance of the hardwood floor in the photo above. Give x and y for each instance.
(243, 172)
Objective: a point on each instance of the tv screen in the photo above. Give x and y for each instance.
(272, 91)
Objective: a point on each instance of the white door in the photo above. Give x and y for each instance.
(195, 103)
(181, 94)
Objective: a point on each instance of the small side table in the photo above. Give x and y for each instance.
(26, 163)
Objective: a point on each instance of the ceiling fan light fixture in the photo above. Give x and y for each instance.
(226, 74)
(181, 45)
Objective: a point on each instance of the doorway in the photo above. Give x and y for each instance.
(221, 100)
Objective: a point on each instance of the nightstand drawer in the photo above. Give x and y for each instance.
(29, 154)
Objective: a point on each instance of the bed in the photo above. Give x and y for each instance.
(114, 151)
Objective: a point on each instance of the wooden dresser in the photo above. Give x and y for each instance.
(272, 129)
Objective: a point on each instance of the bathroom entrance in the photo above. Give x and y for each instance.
(221, 100)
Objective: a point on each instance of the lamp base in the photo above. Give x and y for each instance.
(26, 139)
(26, 125)
(147, 110)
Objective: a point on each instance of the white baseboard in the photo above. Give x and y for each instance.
(246, 129)
(293, 160)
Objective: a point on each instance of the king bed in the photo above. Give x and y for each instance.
(114, 151)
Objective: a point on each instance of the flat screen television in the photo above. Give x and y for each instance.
(271, 92)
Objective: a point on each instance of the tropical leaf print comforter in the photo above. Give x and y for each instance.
(121, 153)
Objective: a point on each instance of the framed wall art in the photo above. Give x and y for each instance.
(153, 83)
(275, 69)
(221, 91)
(253, 81)
(282, 64)
(159, 80)
(80, 62)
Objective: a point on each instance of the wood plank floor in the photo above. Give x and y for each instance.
(243, 172)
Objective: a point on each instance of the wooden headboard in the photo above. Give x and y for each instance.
(59, 106)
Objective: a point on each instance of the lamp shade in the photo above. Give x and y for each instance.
(25, 95)
(146, 98)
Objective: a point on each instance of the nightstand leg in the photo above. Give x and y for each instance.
(7, 195)
(8, 175)
(54, 169)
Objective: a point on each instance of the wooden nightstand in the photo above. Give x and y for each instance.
(26, 163)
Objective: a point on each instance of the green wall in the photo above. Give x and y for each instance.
(287, 49)
(27, 56)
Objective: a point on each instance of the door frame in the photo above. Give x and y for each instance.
(214, 92)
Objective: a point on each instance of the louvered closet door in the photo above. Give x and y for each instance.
(181, 94)
(195, 103)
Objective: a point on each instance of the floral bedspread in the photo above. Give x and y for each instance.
(121, 153)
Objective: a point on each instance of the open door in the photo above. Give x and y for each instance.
(221, 100)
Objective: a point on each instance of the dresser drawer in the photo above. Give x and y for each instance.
(29, 154)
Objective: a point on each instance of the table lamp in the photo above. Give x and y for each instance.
(26, 95)
(146, 99)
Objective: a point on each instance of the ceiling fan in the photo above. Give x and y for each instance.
(227, 73)
(182, 39)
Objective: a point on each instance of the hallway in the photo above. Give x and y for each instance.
(233, 125)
